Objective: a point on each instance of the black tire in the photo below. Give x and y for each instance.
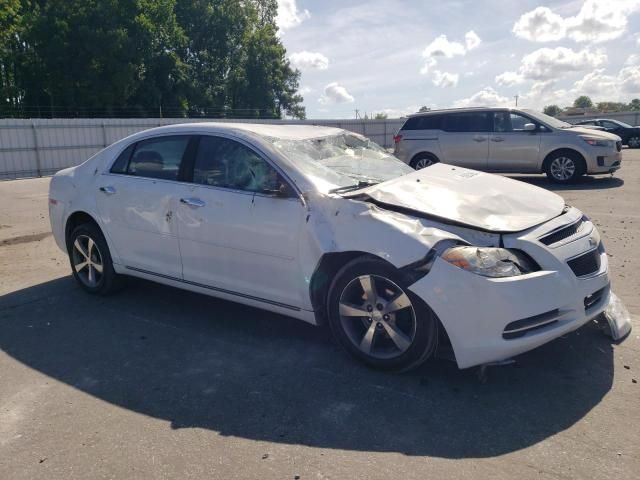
(105, 282)
(633, 141)
(424, 329)
(423, 160)
(564, 167)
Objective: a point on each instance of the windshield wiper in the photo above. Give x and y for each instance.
(355, 186)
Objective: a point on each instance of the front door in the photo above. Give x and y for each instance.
(511, 147)
(137, 201)
(237, 233)
(464, 139)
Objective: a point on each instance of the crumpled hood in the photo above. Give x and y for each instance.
(466, 197)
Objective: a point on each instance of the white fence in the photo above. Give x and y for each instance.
(33, 148)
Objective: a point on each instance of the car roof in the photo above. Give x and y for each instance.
(462, 110)
(265, 130)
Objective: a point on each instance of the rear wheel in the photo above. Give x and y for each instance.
(564, 167)
(423, 160)
(90, 259)
(377, 319)
(634, 142)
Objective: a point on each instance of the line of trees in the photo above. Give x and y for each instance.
(585, 102)
(218, 58)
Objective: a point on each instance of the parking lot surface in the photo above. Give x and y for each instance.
(160, 383)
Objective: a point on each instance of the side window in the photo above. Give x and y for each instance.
(158, 157)
(221, 162)
(467, 122)
(120, 165)
(426, 122)
(518, 122)
(609, 125)
(501, 122)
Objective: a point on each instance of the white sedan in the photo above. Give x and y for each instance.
(325, 226)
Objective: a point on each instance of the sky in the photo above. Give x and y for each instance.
(394, 56)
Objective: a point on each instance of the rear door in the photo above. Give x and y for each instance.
(137, 201)
(464, 139)
(511, 147)
(418, 135)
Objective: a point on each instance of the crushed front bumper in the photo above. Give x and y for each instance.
(492, 319)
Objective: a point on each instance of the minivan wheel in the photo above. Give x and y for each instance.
(90, 259)
(377, 319)
(423, 160)
(634, 142)
(564, 167)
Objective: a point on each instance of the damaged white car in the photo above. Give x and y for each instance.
(325, 226)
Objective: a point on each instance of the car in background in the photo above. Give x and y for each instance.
(630, 135)
(507, 140)
(325, 226)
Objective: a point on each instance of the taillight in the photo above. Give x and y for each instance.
(397, 138)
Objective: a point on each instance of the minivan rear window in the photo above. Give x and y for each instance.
(467, 122)
(426, 122)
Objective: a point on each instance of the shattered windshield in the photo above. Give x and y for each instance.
(342, 160)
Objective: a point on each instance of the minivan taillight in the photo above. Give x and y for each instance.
(397, 138)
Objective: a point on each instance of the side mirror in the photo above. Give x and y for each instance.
(279, 189)
(529, 127)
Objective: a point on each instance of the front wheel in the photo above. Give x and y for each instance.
(564, 168)
(423, 160)
(377, 319)
(634, 142)
(90, 259)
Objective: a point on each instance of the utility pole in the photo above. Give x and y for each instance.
(357, 113)
(516, 97)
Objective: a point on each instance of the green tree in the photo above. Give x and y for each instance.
(552, 110)
(10, 32)
(424, 109)
(380, 116)
(611, 106)
(634, 104)
(583, 102)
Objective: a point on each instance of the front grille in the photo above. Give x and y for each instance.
(563, 233)
(619, 146)
(520, 327)
(585, 264)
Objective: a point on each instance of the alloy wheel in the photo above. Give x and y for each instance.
(563, 168)
(634, 142)
(87, 261)
(423, 163)
(377, 316)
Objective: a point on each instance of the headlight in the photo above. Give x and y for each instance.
(595, 142)
(490, 262)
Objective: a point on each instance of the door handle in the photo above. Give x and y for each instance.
(109, 190)
(479, 139)
(497, 139)
(192, 202)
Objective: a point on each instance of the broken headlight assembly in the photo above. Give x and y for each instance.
(490, 261)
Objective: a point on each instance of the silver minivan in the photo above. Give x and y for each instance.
(507, 140)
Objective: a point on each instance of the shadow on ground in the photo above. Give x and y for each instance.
(195, 361)
(583, 183)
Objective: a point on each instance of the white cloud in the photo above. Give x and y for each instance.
(540, 25)
(445, 79)
(629, 78)
(597, 83)
(508, 79)
(442, 47)
(309, 60)
(546, 63)
(487, 97)
(304, 90)
(597, 21)
(289, 16)
(335, 93)
(471, 39)
(429, 63)
(544, 93)
(634, 59)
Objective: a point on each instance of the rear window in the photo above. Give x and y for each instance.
(426, 122)
(467, 122)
